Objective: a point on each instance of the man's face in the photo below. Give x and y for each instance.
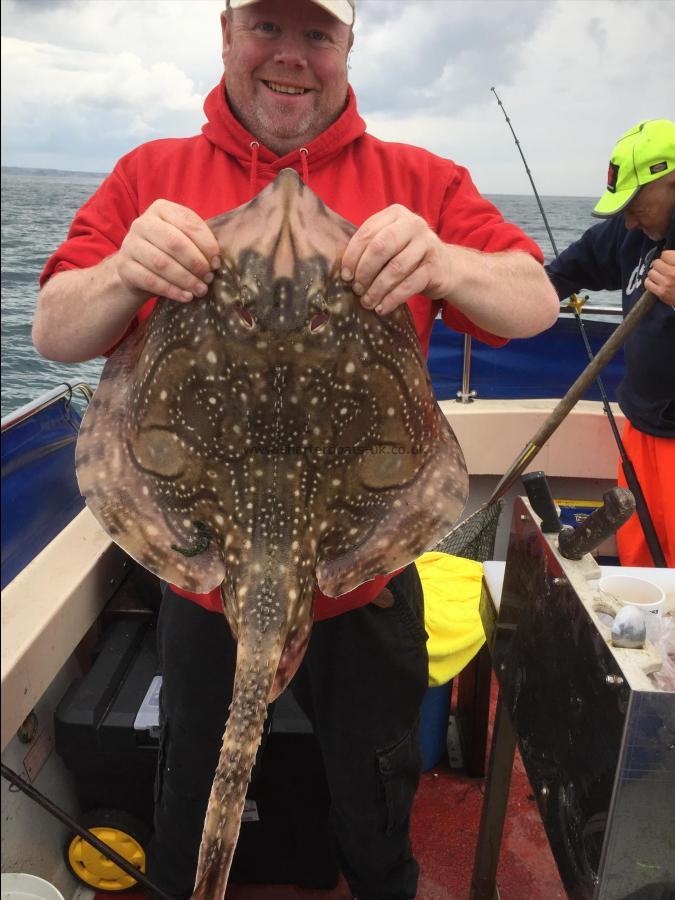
(652, 208)
(285, 70)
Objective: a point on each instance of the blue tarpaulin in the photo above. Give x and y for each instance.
(539, 367)
(39, 489)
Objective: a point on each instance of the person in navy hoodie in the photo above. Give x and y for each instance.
(629, 251)
(426, 237)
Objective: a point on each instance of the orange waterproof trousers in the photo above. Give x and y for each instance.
(654, 461)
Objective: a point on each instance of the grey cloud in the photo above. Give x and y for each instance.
(597, 33)
(456, 51)
(38, 6)
(102, 137)
(93, 24)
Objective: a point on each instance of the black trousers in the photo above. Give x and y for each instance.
(361, 685)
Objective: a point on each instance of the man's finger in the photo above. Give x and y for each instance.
(192, 226)
(145, 280)
(382, 251)
(413, 284)
(394, 272)
(183, 266)
(361, 238)
(180, 245)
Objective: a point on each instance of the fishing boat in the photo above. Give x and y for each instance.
(79, 678)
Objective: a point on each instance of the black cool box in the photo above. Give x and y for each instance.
(106, 731)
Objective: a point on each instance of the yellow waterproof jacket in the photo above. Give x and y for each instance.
(452, 587)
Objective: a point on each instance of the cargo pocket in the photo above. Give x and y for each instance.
(399, 769)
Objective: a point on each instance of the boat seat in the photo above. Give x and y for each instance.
(49, 607)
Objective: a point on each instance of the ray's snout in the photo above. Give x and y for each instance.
(282, 253)
(289, 183)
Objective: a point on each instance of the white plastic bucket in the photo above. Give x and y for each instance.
(631, 591)
(27, 887)
(644, 595)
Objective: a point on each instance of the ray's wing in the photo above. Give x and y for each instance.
(130, 467)
(403, 481)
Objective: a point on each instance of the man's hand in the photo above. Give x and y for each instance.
(660, 279)
(169, 252)
(393, 256)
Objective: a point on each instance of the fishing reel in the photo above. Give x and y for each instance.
(576, 303)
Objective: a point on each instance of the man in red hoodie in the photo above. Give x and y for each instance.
(426, 238)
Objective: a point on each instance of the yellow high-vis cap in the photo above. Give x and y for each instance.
(644, 153)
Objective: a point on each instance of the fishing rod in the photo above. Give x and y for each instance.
(576, 304)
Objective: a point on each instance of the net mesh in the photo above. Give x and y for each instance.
(474, 538)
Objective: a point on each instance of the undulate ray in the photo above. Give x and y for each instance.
(269, 437)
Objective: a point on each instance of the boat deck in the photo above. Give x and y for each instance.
(444, 831)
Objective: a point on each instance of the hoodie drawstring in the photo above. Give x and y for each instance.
(304, 155)
(254, 145)
(253, 178)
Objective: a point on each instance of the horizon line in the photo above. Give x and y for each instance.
(48, 169)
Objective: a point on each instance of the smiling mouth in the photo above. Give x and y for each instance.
(285, 88)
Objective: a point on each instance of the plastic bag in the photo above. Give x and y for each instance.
(664, 642)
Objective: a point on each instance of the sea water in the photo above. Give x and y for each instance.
(38, 206)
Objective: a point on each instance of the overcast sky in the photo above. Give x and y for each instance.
(84, 81)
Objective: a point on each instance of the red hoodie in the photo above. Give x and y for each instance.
(354, 174)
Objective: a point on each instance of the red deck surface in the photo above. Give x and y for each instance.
(445, 824)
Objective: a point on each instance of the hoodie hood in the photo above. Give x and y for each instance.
(227, 133)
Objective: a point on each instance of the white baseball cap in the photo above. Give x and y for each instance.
(343, 10)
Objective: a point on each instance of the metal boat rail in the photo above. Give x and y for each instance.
(44, 400)
(614, 311)
(467, 395)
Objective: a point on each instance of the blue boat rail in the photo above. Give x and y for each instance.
(40, 495)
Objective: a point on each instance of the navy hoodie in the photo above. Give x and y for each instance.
(610, 257)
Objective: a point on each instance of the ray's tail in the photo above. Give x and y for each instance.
(256, 669)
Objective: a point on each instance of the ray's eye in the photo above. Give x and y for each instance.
(244, 315)
(318, 322)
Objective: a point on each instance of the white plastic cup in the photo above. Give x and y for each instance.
(17, 886)
(644, 595)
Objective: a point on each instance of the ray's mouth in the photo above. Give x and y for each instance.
(278, 88)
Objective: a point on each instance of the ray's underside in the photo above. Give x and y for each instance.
(270, 437)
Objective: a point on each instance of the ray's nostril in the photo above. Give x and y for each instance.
(318, 321)
(245, 315)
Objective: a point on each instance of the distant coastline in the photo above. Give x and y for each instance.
(22, 170)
